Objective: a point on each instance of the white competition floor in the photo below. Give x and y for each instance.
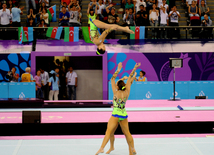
(88, 146)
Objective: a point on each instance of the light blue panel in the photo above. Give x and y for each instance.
(153, 90)
(22, 90)
(182, 90)
(195, 89)
(141, 90)
(132, 95)
(167, 90)
(4, 90)
(208, 89)
(110, 92)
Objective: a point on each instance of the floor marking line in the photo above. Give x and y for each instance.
(17, 147)
(194, 146)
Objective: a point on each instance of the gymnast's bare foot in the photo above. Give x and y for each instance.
(128, 30)
(111, 149)
(134, 151)
(100, 151)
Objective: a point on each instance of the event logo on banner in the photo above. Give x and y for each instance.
(148, 94)
(22, 95)
(201, 93)
(176, 93)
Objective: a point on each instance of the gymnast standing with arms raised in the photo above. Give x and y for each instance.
(121, 93)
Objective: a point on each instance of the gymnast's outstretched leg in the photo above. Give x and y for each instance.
(112, 138)
(103, 25)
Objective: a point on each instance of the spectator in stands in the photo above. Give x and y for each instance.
(27, 77)
(74, 16)
(76, 4)
(141, 17)
(65, 5)
(141, 77)
(45, 78)
(164, 21)
(31, 15)
(113, 18)
(203, 9)
(31, 22)
(5, 16)
(130, 18)
(71, 82)
(44, 15)
(91, 13)
(16, 12)
(100, 10)
(189, 3)
(27, 4)
(149, 4)
(66, 1)
(164, 5)
(174, 15)
(54, 84)
(138, 3)
(205, 2)
(39, 93)
(12, 76)
(94, 5)
(153, 17)
(64, 17)
(129, 5)
(43, 6)
(42, 23)
(193, 9)
(159, 3)
(107, 2)
(124, 16)
(206, 32)
(44, 1)
(10, 5)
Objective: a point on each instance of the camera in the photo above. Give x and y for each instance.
(203, 22)
(9, 76)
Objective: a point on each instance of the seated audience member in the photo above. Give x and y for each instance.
(31, 22)
(31, 14)
(38, 80)
(74, 16)
(93, 5)
(5, 16)
(113, 18)
(203, 9)
(205, 2)
(100, 10)
(164, 21)
(141, 77)
(130, 18)
(43, 6)
(27, 77)
(138, 3)
(42, 23)
(193, 9)
(159, 3)
(54, 84)
(129, 5)
(153, 18)
(76, 4)
(91, 13)
(65, 5)
(64, 17)
(189, 3)
(16, 12)
(44, 1)
(141, 17)
(149, 4)
(44, 15)
(66, 1)
(174, 15)
(206, 32)
(12, 76)
(164, 5)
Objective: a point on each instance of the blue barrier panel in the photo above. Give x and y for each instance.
(164, 90)
(4, 90)
(22, 90)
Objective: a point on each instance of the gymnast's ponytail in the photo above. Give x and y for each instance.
(121, 85)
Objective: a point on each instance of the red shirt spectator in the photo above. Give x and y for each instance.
(66, 1)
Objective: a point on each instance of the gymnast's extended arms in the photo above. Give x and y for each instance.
(113, 84)
(132, 76)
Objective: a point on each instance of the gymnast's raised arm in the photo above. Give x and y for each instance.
(113, 84)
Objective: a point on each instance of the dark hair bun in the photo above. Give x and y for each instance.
(100, 51)
(121, 85)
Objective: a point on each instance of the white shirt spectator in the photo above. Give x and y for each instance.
(164, 17)
(166, 7)
(190, 1)
(5, 17)
(101, 7)
(139, 3)
(159, 3)
(153, 16)
(174, 17)
(41, 1)
(46, 20)
(44, 77)
(71, 77)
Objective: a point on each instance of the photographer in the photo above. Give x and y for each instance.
(204, 34)
(12, 75)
